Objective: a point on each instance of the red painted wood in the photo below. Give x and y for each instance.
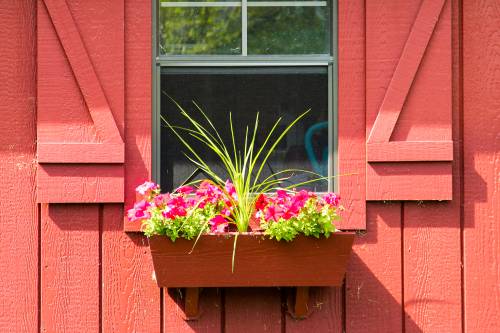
(18, 210)
(70, 268)
(373, 281)
(409, 181)
(404, 74)
(80, 117)
(253, 310)
(83, 69)
(324, 312)
(406, 151)
(404, 79)
(91, 183)
(351, 115)
(258, 262)
(80, 153)
(130, 296)
(138, 138)
(209, 311)
(432, 244)
(432, 280)
(481, 239)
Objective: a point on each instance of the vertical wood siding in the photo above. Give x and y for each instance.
(420, 267)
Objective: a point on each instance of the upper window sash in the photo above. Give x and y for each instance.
(244, 28)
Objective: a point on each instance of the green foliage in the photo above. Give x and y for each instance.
(188, 227)
(244, 165)
(310, 221)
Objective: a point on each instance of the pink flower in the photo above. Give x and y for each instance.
(209, 193)
(161, 200)
(218, 224)
(147, 188)
(332, 199)
(229, 187)
(139, 212)
(185, 189)
(261, 202)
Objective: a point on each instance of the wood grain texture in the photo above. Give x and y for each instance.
(432, 280)
(80, 153)
(406, 151)
(70, 270)
(258, 262)
(130, 297)
(410, 181)
(73, 183)
(18, 213)
(324, 312)
(481, 84)
(253, 310)
(432, 245)
(138, 99)
(209, 311)
(351, 115)
(408, 87)
(405, 71)
(71, 28)
(373, 279)
(80, 100)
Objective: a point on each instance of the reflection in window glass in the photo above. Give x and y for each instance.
(288, 30)
(273, 92)
(200, 30)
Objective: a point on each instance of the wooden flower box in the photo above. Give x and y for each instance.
(259, 262)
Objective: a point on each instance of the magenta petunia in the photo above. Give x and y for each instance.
(185, 189)
(332, 199)
(218, 224)
(147, 188)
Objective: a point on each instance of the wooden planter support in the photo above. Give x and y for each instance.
(259, 262)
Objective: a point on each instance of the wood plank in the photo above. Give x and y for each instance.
(138, 100)
(210, 311)
(409, 181)
(19, 221)
(83, 68)
(80, 153)
(432, 249)
(130, 297)
(351, 115)
(70, 268)
(253, 310)
(406, 70)
(423, 100)
(481, 104)
(374, 286)
(91, 183)
(324, 312)
(432, 277)
(406, 151)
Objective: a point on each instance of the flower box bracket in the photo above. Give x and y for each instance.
(297, 307)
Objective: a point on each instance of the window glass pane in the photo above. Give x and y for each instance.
(200, 30)
(288, 30)
(274, 92)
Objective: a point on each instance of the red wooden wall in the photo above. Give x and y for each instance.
(420, 266)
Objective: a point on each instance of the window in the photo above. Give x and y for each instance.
(244, 57)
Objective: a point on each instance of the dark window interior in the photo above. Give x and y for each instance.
(272, 91)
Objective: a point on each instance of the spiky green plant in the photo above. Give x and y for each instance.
(243, 165)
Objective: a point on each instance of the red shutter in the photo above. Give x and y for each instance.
(80, 101)
(409, 100)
